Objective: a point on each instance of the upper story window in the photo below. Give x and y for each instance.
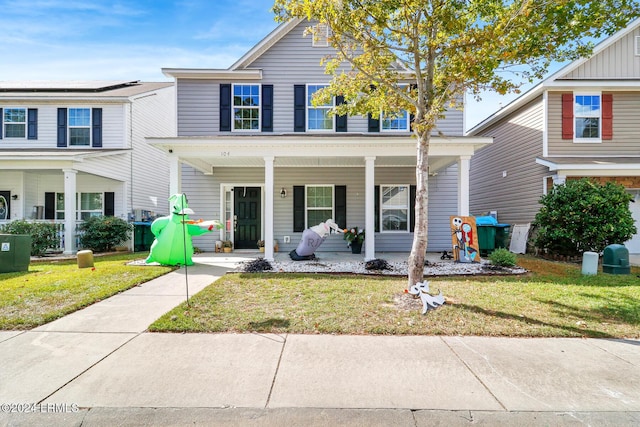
(394, 207)
(396, 123)
(637, 46)
(318, 117)
(15, 122)
(79, 126)
(587, 117)
(320, 35)
(246, 107)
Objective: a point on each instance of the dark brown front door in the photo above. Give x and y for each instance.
(5, 205)
(246, 209)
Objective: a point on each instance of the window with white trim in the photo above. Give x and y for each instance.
(79, 127)
(587, 117)
(246, 107)
(318, 204)
(91, 204)
(15, 122)
(318, 117)
(395, 123)
(637, 45)
(320, 34)
(394, 208)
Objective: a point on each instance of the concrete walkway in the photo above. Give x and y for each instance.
(98, 367)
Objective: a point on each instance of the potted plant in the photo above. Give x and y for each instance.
(227, 246)
(261, 245)
(354, 237)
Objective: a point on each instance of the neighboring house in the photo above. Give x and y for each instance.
(583, 121)
(253, 152)
(71, 150)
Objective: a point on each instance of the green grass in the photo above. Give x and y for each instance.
(554, 300)
(50, 290)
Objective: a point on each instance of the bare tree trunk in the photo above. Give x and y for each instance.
(419, 247)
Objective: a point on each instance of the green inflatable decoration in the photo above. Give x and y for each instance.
(172, 245)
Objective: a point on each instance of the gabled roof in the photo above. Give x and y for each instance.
(556, 80)
(272, 38)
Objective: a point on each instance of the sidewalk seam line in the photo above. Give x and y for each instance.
(92, 365)
(275, 374)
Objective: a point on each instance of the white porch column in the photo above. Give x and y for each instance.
(69, 211)
(464, 163)
(268, 208)
(369, 202)
(175, 177)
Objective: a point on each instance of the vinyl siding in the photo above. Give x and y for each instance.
(626, 127)
(517, 142)
(617, 61)
(204, 198)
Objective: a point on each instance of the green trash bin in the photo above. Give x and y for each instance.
(486, 226)
(502, 235)
(142, 236)
(15, 252)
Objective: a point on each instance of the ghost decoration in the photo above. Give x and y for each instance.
(421, 289)
(173, 245)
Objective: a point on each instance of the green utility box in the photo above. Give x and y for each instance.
(15, 252)
(615, 260)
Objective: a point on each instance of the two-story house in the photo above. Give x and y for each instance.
(71, 150)
(582, 121)
(253, 151)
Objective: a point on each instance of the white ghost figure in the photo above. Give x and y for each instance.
(422, 289)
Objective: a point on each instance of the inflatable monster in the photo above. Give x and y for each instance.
(172, 245)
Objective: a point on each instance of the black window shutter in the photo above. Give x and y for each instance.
(374, 124)
(32, 123)
(109, 205)
(341, 121)
(412, 116)
(376, 209)
(49, 205)
(96, 127)
(1, 122)
(412, 207)
(341, 206)
(267, 108)
(298, 208)
(62, 127)
(299, 108)
(225, 107)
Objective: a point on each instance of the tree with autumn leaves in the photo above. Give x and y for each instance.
(423, 55)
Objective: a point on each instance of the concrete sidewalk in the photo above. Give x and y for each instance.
(98, 367)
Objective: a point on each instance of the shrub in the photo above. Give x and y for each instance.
(103, 233)
(502, 258)
(43, 234)
(582, 215)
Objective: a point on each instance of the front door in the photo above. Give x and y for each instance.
(246, 208)
(5, 207)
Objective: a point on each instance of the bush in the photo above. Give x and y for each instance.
(103, 233)
(502, 258)
(582, 215)
(43, 234)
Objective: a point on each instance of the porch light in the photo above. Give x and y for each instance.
(283, 193)
(14, 197)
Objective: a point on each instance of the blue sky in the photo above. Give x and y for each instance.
(133, 40)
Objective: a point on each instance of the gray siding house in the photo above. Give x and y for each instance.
(253, 152)
(71, 150)
(583, 121)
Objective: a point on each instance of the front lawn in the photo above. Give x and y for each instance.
(554, 300)
(50, 290)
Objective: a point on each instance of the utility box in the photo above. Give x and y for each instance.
(15, 252)
(615, 260)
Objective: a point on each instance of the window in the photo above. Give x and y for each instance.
(587, 117)
(91, 204)
(318, 118)
(15, 122)
(394, 207)
(400, 123)
(637, 45)
(79, 126)
(319, 204)
(320, 35)
(246, 107)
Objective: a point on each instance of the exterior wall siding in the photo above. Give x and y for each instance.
(204, 198)
(626, 129)
(517, 142)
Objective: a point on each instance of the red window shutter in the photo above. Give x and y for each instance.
(607, 116)
(567, 116)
